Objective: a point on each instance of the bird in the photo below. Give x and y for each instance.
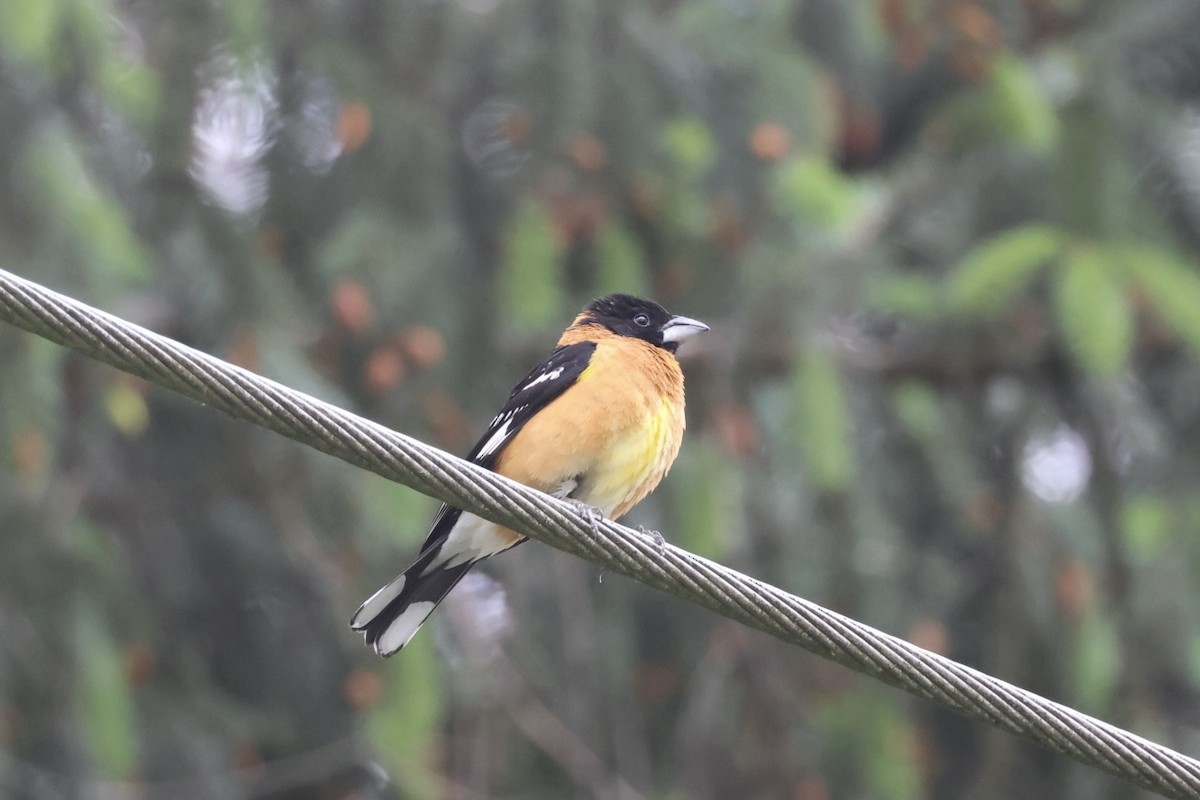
(598, 422)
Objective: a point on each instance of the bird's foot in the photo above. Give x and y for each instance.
(593, 515)
(659, 541)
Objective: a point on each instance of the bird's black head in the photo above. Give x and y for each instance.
(626, 315)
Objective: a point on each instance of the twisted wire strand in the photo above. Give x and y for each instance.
(247, 396)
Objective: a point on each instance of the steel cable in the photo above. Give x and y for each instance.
(247, 396)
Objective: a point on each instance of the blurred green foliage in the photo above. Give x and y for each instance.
(949, 253)
(531, 292)
(1093, 312)
(823, 422)
(994, 272)
(107, 711)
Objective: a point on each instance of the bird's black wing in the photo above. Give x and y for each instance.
(391, 616)
(544, 383)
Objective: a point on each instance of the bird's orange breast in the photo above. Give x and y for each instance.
(616, 431)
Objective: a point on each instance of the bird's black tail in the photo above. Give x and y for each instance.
(394, 614)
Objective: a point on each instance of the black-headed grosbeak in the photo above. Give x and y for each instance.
(599, 421)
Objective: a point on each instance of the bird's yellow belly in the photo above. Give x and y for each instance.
(633, 462)
(606, 448)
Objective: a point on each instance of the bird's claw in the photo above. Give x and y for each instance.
(593, 515)
(659, 541)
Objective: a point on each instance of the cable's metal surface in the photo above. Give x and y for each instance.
(247, 396)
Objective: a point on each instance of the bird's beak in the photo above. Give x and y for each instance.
(680, 329)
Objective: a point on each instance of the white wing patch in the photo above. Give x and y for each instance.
(504, 419)
(538, 388)
(497, 439)
(552, 375)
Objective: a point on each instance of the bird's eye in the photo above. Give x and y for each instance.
(641, 320)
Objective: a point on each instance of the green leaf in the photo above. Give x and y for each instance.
(28, 27)
(93, 221)
(620, 266)
(914, 296)
(706, 491)
(106, 709)
(869, 721)
(247, 23)
(995, 271)
(1020, 109)
(90, 24)
(394, 513)
(1097, 663)
(1170, 284)
(531, 288)
(811, 190)
(402, 725)
(917, 409)
(688, 210)
(1093, 312)
(823, 422)
(1145, 521)
(126, 409)
(380, 250)
(689, 143)
(134, 89)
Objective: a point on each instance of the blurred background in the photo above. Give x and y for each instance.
(950, 253)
